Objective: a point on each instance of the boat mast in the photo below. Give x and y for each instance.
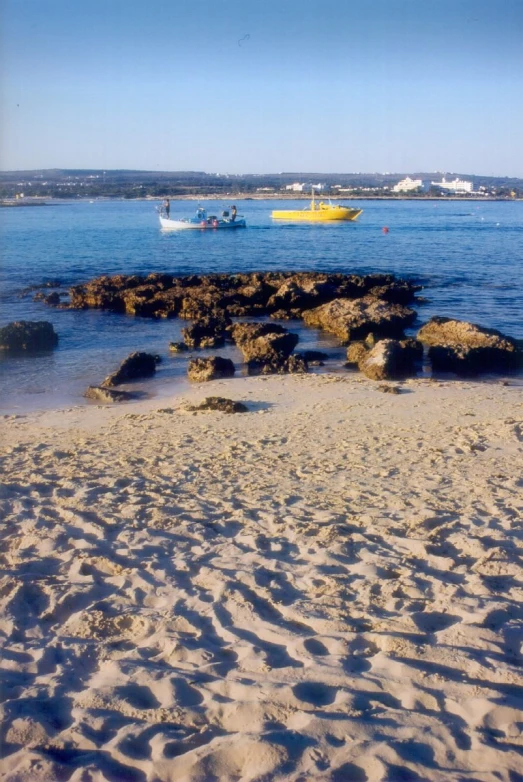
(313, 203)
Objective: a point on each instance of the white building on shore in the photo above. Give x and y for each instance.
(407, 184)
(456, 186)
(300, 187)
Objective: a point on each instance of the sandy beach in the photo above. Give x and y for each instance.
(328, 586)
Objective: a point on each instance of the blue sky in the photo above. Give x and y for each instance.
(263, 85)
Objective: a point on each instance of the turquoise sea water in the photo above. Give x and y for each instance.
(467, 255)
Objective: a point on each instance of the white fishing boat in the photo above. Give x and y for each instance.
(201, 221)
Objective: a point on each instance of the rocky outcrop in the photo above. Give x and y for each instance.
(267, 348)
(213, 368)
(298, 295)
(208, 332)
(264, 342)
(25, 336)
(354, 319)
(220, 404)
(278, 366)
(391, 359)
(107, 395)
(136, 366)
(468, 349)
(196, 296)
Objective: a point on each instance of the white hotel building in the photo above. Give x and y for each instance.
(457, 185)
(407, 184)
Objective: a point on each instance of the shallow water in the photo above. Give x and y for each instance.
(467, 255)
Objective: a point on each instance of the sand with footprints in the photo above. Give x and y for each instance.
(328, 586)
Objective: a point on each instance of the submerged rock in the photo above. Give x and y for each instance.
(51, 299)
(220, 404)
(314, 357)
(213, 368)
(134, 367)
(178, 347)
(468, 349)
(25, 336)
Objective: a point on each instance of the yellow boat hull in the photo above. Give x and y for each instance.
(324, 215)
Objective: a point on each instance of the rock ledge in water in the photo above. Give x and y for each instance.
(468, 349)
(351, 319)
(134, 367)
(25, 336)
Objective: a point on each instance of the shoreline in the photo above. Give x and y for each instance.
(50, 201)
(326, 586)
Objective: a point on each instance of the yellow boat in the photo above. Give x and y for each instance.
(318, 213)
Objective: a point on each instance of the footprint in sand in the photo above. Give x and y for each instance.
(315, 693)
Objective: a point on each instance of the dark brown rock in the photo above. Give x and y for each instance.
(389, 389)
(468, 349)
(314, 356)
(26, 336)
(356, 352)
(213, 368)
(299, 294)
(208, 332)
(278, 366)
(196, 296)
(51, 299)
(220, 404)
(178, 347)
(391, 359)
(107, 395)
(141, 301)
(292, 314)
(354, 319)
(134, 367)
(396, 292)
(264, 342)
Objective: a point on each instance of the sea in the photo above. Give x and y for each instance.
(467, 255)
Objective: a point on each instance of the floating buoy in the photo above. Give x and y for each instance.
(385, 229)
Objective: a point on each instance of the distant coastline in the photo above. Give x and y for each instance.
(252, 197)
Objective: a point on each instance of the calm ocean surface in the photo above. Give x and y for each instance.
(467, 255)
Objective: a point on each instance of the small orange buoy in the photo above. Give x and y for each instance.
(385, 229)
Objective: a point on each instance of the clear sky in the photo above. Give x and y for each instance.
(258, 86)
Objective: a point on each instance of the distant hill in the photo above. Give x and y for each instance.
(129, 183)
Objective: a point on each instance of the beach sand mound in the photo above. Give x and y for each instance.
(329, 587)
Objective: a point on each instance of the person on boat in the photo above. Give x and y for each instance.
(167, 207)
(234, 212)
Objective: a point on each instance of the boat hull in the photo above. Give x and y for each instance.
(200, 225)
(340, 214)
